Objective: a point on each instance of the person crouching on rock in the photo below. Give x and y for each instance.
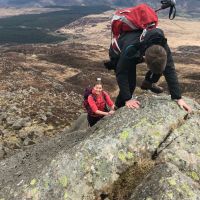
(154, 50)
(100, 104)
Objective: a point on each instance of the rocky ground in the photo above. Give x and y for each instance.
(41, 86)
(41, 91)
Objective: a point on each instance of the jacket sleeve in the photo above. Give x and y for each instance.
(108, 99)
(92, 104)
(171, 76)
(123, 69)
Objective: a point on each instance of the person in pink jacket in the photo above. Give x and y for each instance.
(99, 101)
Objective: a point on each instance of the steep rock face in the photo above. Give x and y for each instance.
(135, 154)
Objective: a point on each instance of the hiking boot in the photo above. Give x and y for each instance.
(151, 86)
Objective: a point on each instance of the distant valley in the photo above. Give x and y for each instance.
(40, 28)
(13, 11)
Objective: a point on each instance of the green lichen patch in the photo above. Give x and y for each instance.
(125, 156)
(157, 134)
(172, 181)
(195, 176)
(149, 198)
(122, 156)
(129, 155)
(124, 135)
(170, 195)
(46, 184)
(63, 181)
(187, 189)
(33, 182)
(65, 195)
(198, 154)
(34, 191)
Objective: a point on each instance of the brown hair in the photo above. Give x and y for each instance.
(156, 58)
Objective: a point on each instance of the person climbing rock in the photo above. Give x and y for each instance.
(141, 45)
(97, 103)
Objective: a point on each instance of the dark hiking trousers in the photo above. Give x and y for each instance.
(93, 120)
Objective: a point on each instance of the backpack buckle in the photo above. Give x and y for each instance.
(142, 36)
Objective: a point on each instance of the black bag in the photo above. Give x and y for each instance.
(114, 57)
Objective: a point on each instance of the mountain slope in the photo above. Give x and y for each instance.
(186, 7)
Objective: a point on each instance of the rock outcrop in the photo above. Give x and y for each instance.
(151, 153)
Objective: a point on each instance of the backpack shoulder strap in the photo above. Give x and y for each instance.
(104, 95)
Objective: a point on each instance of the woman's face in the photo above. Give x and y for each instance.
(98, 88)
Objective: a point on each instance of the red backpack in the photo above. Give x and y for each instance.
(140, 17)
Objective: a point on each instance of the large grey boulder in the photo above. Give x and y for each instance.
(80, 124)
(166, 181)
(115, 158)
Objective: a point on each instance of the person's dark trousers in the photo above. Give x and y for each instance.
(120, 102)
(93, 120)
(151, 77)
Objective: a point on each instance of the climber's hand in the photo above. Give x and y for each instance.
(133, 104)
(184, 105)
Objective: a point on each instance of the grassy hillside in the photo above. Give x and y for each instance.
(37, 28)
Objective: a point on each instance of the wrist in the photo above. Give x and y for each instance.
(127, 100)
(176, 100)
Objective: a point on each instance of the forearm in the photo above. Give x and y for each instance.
(171, 76)
(122, 75)
(113, 107)
(123, 84)
(99, 112)
(109, 101)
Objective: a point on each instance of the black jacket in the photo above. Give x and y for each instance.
(131, 53)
